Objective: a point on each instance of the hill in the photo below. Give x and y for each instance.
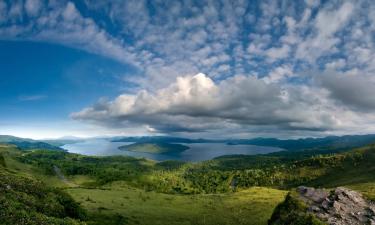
(25, 200)
(332, 143)
(325, 143)
(120, 189)
(117, 190)
(27, 144)
(156, 148)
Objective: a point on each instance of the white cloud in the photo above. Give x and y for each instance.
(225, 40)
(196, 103)
(336, 64)
(279, 74)
(278, 53)
(62, 23)
(33, 7)
(327, 23)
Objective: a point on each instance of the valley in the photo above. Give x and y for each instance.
(236, 189)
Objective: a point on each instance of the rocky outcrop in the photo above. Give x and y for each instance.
(341, 206)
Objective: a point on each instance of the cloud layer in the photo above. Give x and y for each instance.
(275, 67)
(197, 104)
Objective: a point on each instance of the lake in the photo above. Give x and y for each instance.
(196, 152)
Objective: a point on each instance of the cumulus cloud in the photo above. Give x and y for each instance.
(196, 103)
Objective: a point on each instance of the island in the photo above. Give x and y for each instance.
(155, 148)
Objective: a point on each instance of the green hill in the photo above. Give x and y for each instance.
(124, 190)
(156, 148)
(25, 200)
(127, 190)
(27, 144)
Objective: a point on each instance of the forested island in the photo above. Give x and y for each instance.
(156, 148)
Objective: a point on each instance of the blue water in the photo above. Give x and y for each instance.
(196, 152)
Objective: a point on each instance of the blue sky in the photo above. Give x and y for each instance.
(188, 68)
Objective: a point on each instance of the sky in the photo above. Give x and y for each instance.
(212, 69)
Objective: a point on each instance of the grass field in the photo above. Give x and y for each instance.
(126, 205)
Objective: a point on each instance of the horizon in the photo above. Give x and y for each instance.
(211, 139)
(246, 69)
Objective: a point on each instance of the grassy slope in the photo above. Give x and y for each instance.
(24, 199)
(10, 152)
(252, 206)
(156, 148)
(117, 203)
(120, 203)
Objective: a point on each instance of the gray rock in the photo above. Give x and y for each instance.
(341, 206)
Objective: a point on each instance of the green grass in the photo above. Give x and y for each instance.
(124, 190)
(136, 206)
(118, 203)
(155, 148)
(29, 201)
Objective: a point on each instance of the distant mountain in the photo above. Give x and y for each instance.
(163, 139)
(27, 143)
(326, 143)
(61, 142)
(9, 138)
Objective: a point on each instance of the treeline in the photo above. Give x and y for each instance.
(215, 176)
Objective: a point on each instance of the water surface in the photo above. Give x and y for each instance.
(196, 152)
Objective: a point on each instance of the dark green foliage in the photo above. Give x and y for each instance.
(104, 219)
(2, 160)
(220, 175)
(293, 212)
(26, 201)
(104, 169)
(26, 145)
(170, 165)
(155, 148)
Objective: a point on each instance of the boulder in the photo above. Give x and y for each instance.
(340, 206)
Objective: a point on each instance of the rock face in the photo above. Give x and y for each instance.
(341, 206)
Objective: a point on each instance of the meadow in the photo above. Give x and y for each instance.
(227, 190)
(118, 203)
(129, 205)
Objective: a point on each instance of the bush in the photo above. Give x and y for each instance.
(2, 160)
(28, 202)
